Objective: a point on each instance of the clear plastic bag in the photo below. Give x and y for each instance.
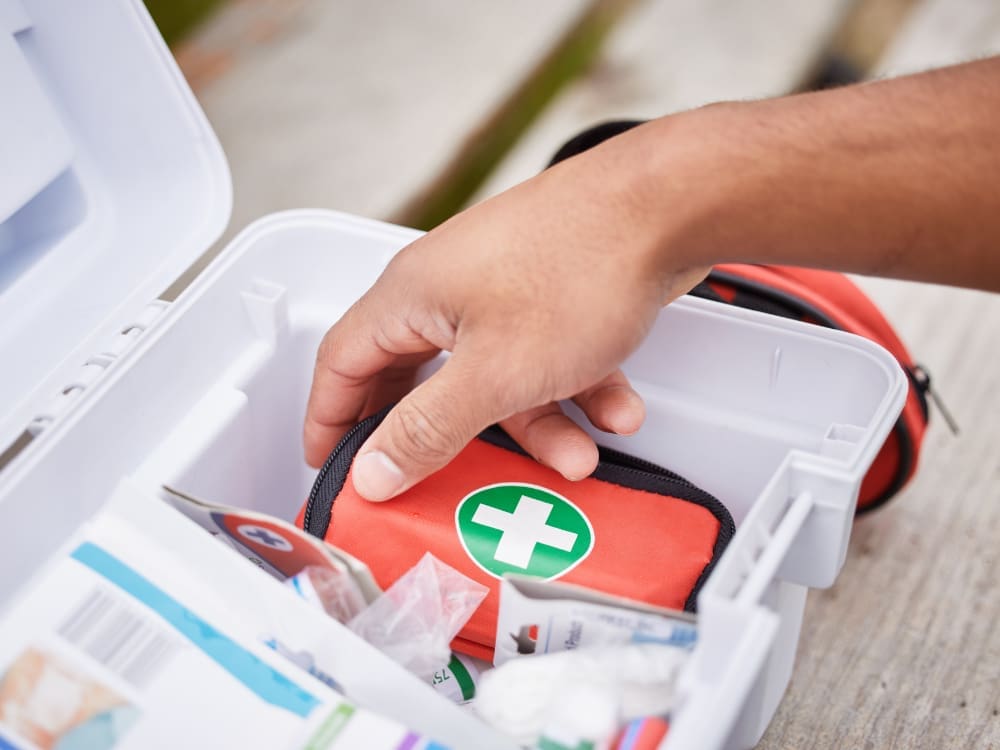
(415, 620)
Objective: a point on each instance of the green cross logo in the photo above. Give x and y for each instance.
(523, 528)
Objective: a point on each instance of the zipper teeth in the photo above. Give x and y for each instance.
(634, 465)
(325, 469)
(613, 459)
(665, 474)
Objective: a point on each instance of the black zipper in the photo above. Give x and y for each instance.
(316, 519)
(634, 463)
(496, 435)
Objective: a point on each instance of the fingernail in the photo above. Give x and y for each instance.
(376, 476)
(628, 419)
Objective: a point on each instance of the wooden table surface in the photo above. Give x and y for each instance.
(904, 650)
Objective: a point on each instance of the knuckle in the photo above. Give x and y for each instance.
(424, 434)
(325, 348)
(312, 435)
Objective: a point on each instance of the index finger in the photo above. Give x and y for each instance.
(357, 371)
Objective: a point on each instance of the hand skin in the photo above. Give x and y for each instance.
(541, 292)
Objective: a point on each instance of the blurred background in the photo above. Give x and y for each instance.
(407, 111)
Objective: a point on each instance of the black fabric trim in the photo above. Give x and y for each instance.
(705, 291)
(591, 137)
(775, 296)
(902, 472)
(753, 301)
(330, 480)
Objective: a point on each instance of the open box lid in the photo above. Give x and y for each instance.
(111, 184)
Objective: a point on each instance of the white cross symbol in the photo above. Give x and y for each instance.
(522, 530)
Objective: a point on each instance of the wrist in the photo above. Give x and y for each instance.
(685, 177)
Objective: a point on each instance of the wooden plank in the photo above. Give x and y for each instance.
(357, 105)
(942, 32)
(904, 651)
(670, 55)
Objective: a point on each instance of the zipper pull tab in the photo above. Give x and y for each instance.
(923, 379)
(948, 418)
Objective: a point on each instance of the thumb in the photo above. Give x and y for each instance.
(424, 431)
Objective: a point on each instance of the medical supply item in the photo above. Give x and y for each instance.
(540, 617)
(417, 617)
(517, 697)
(457, 679)
(120, 645)
(276, 546)
(643, 734)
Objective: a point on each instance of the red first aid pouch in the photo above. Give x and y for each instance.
(823, 298)
(631, 529)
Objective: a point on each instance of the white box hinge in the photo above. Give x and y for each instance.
(96, 367)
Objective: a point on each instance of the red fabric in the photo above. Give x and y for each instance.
(841, 299)
(646, 546)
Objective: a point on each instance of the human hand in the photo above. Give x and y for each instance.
(539, 294)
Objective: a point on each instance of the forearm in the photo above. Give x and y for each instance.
(895, 178)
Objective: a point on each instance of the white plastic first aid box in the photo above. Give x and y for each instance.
(112, 183)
